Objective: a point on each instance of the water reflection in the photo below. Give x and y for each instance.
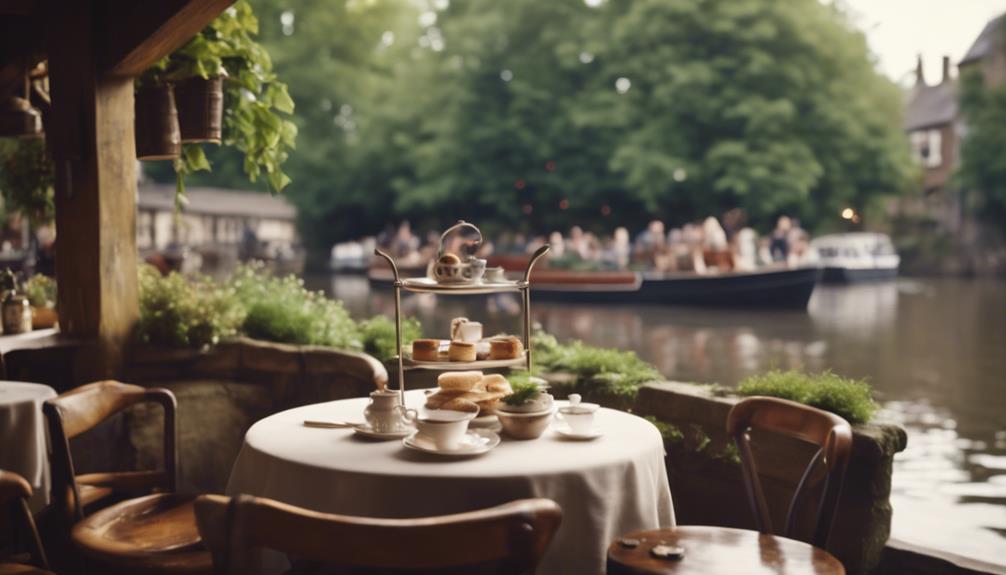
(933, 350)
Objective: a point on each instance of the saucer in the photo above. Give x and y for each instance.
(568, 433)
(475, 442)
(367, 431)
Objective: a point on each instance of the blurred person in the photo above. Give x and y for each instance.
(745, 248)
(715, 249)
(779, 242)
(558, 244)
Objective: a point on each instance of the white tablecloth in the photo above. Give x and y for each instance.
(606, 487)
(22, 435)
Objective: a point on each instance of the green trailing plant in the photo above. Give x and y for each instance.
(41, 291)
(598, 371)
(27, 179)
(846, 397)
(180, 312)
(522, 392)
(257, 106)
(281, 309)
(378, 335)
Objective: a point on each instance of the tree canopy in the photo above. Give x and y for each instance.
(540, 115)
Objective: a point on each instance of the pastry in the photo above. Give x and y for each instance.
(461, 351)
(460, 404)
(508, 347)
(449, 259)
(462, 329)
(459, 380)
(425, 350)
(496, 383)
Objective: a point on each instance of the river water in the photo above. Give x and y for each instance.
(933, 349)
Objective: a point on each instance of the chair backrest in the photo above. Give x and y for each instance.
(82, 409)
(15, 492)
(830, 433)
(513, 536)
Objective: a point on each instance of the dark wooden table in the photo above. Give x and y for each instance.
(711, 550)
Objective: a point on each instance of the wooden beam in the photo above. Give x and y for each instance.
(135, 35)
(91, 138)
(20, 7)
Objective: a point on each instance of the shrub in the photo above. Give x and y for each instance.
(846, 397)
(178, 312)
(598, 371)
(41, 291)
(283, 310)
(378, 335)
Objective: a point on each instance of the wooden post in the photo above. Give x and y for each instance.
(91, 138)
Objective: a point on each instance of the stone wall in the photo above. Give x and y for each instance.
(221, 392)
(708, 488)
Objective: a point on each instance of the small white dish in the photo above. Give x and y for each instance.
(367, 431)
(566, 432)
(475, 442)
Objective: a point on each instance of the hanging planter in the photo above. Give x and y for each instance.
(200, 104)
(157, 133)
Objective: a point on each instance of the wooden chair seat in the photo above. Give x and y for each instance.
(155, 533)
(720, 550)
(22, 569)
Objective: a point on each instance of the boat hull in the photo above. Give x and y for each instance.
(789, 289)
(842, 275)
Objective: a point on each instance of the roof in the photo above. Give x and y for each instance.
(217, 202)
(985, 41)
(931, 106)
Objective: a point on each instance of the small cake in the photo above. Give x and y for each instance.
(496, 383)
(425, 350)
(508, 347)
(461, 351)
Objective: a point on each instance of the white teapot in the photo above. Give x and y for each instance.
(385, 415)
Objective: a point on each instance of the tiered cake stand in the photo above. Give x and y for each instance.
(429, 285)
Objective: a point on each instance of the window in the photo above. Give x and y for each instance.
(927, 147)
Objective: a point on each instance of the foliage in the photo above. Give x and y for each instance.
(179, 312)
(522, 391)
(27, 178)
(255, 101)
(378, 335)
(476, 110)
(598, 370)
(983, 150)
(41, 290)
(281, 309)
(848, 398)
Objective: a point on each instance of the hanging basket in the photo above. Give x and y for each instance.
(157, 133)
(200, 104)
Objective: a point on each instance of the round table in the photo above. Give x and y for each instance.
(22, 427)
(608, 486)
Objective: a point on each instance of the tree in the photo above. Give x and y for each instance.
(983, 150)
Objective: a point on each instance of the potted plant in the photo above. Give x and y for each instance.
(156, 122)
(26, 179)
(255, 104)
(41, 292)
(527, 412)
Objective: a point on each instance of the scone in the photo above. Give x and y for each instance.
(461, 351)
(425, 350)
(459, 380)
(508, 347)
(496, 383)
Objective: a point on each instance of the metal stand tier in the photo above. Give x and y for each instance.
(427, 285)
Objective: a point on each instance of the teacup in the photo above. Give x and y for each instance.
(384, 414)
(494, 275)
(444, 428)
(578, 416)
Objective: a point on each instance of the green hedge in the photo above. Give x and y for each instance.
(846, 397)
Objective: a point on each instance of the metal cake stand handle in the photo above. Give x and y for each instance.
(460, 225)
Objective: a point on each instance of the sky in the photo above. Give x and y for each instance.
(898, 30)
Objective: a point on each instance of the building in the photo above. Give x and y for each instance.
(219, 225)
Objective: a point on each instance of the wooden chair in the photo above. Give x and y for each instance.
(509, 538)
(153, 533)
(720, 549)
(14, 495)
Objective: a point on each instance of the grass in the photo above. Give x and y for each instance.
(846, 397)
